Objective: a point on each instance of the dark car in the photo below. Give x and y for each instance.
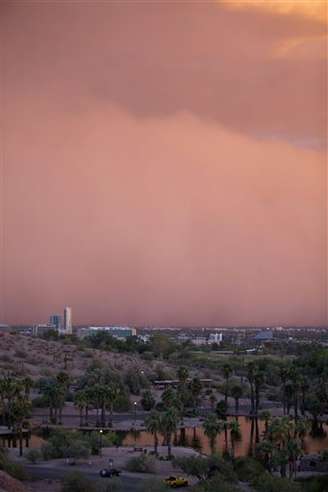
(109, 472)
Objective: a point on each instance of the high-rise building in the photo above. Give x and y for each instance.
(67, 321)
(56, 321)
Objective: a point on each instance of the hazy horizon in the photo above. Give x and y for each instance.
(164, 163)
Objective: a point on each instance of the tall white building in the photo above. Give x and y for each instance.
(67, 321)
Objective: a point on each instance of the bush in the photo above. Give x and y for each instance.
(205, 468)
(114, 485)
(217, 484)
(77, 482)
(268, 483)
(13, 469)
(40, 402)
(50, 452)
(61, 443)
(248, 469)
(33, 455)
(317, 484)
(141, 464)
(77, 449)
(152, 485)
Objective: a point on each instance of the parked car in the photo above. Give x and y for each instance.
(109, 472)
(176, 482)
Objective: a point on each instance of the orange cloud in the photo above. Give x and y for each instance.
(317, 9)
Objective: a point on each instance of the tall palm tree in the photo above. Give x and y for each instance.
(227, 371)
(195, 388)
(284, 375)
(258, 383)
(113, 392)
(28, 385)
(183, 375)
(294, 451)
(251, 380)
(212, 428)
(236, 393)
(169, 424)
(265, 416)
(80, 400)
(235, 434)
(20, 409)
(154, 425)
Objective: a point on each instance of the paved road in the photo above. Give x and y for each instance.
(130, 482)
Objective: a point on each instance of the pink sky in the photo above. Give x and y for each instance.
(164, 163)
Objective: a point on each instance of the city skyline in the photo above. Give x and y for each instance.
(164, 164)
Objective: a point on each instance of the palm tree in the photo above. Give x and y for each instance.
(212, 401)
(235, 434)
(154, 425)
(183, 375)
(169, 397)
(284, 374)
(301, 429)
(236, 393)
(212, 427)
(226, 374)
(265, 416)
(225, 424)
(28, 384)
(169, 423)
(20, 408)
(258, 382)
(294, 450)
(112, 393)
(80, 400)
(251, 380)
(264, 451)
(281, 431)
(195, 388)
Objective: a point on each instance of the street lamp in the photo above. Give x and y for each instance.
(135, 413)
(135, 424)
(100, 433)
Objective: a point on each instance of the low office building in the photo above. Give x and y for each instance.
(119, 332)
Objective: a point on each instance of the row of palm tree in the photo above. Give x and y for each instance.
(55, 393)
(102, 397)
(283, 444)
(15, 405)
(213, 427)
(165, 424)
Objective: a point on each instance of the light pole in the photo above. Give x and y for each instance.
(100, 450)
(135, 424)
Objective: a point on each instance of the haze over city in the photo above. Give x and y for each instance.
(164, 164)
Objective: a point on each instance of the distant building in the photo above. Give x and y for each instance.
(199, 341)
(67, 328)
(39, 330)
(264, 336)
(56, 321)
(144, 338)
(215, 338)
(119, 332)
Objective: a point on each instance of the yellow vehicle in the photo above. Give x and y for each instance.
(176, 482)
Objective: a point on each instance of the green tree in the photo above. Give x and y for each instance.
(236, 393)
(227, 371)
(169, 423)
(212, 428)
(154, 426)
(147, 400)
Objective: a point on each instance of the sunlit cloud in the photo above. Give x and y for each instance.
(311, 47)
(317, 9)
